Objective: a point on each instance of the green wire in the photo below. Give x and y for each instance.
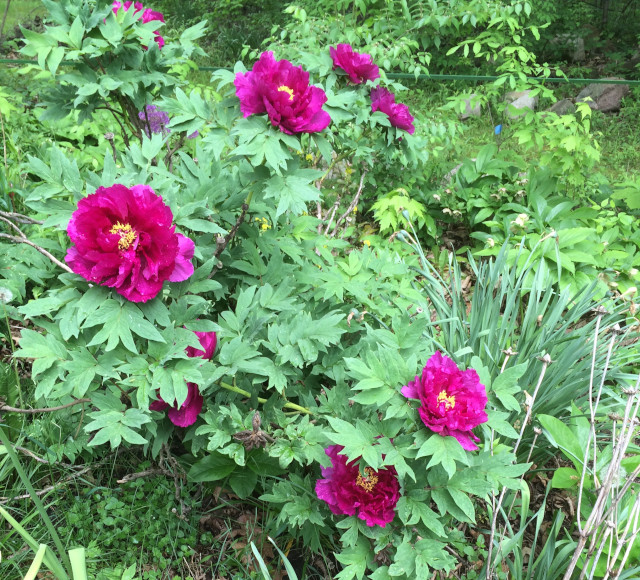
(420, 77)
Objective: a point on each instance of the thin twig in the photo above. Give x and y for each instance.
(8, 409)
(232, 231)
(41, 250)
(145, 473)
(353, 204)
(20, 218)
(49, 488)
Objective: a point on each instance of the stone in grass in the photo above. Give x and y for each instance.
(472, 107)
(519, 102)
(604, 97)
(563, 107)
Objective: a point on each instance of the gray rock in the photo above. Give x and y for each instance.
(563, 107)
(471, 109)
(515, 95)
(604, 97)
(519, 102)
(572, 46)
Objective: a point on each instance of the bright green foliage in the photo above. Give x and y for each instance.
(317, 335)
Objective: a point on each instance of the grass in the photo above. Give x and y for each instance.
(19, 11)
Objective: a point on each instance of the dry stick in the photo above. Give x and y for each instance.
(41, 250)
(20, 218)
(595, 519)
(593, 408)
(635, 512)
(49, 488)
(8, 409)
(546, 361)
(334, 209)
(145, 473)
(353, 204)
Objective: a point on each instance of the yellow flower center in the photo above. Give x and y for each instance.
(369, 482)
(449, 402)
(127, 235)
(286, 89)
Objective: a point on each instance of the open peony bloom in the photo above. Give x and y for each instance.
(124, 238)
(399, 115)
(452, 402)
(189, 410)
(282, 91)
(147, 15)
(372, 498)
(358, 66)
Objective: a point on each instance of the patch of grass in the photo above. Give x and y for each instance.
(19, 11)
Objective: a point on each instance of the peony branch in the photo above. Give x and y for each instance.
(352, 205)
(222, 242)
(8, 409)
(261, 400)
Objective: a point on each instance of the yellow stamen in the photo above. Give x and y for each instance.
(369, 482)
(127, 235)
(449, 402)
(286, 89)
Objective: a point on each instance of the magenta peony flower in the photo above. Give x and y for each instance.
(358, 66)
(282, 91)
(147, 15)
(373, 497)
(188, 413)
(452, 401)
(399, 115)
(208, 341)
(124, 239)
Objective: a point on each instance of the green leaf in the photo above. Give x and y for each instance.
(243, 482)
(561, 436)
(213, 467)
(443, 451)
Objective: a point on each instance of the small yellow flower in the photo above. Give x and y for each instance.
(355, 209)
(367, 243)
(308, 157)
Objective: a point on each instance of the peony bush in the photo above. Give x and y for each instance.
(282, 361)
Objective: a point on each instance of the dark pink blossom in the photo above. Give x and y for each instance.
(125, 239)
(283, 92)
(399, 115)
(189, 410)
(358, 66)
(452, 402)
(372, 497)
(147, 15)
(208, 341)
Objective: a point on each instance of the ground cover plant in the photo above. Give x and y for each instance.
(238, 344)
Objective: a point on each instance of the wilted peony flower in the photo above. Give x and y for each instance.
(147, 15)
(157, 120)
(399, 115)
(358, 66)
(282, 91)
(452, 401)
(124, 238)
(188, 413)
(189, 410)
(373, 497)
